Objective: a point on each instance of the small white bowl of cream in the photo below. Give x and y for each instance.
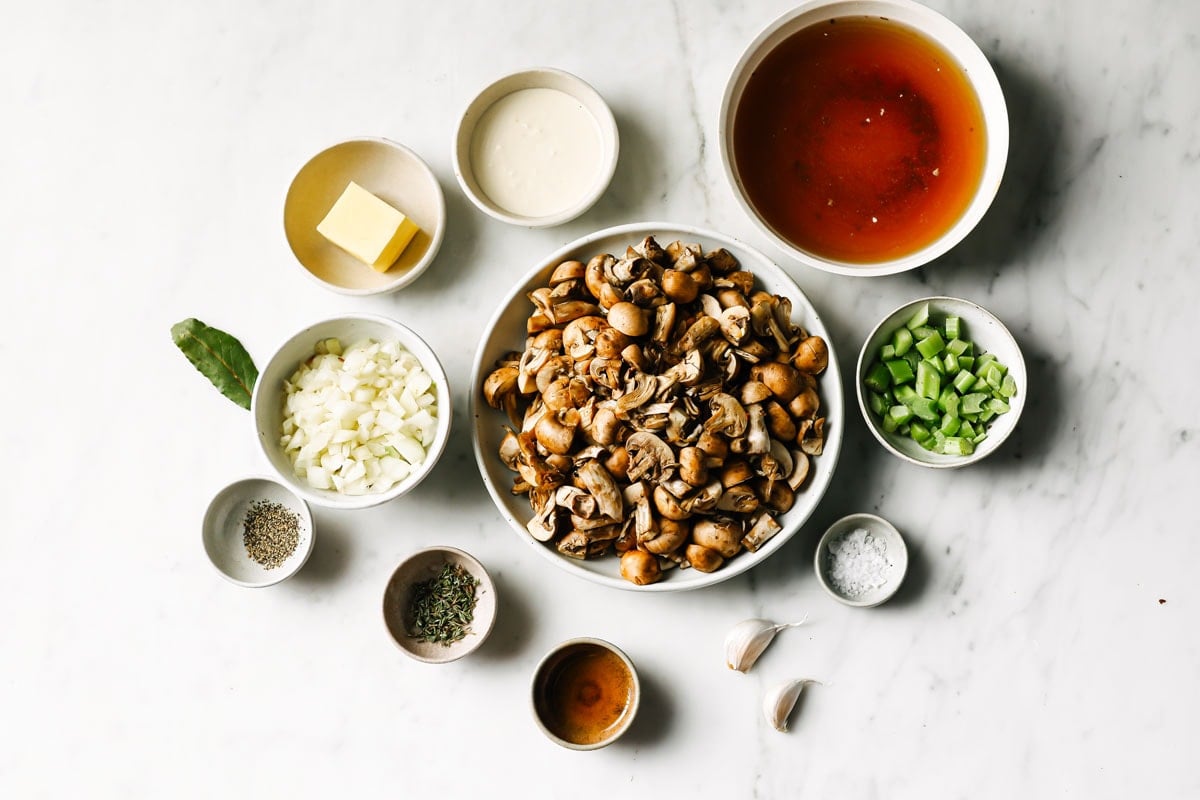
(536, 148)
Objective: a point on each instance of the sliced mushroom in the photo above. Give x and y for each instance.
(649, 456)
(704, 499)
(735, 324)
(761, 530)
(811, 355)
(698, 332)
(600, 484)
(758, 438)
(755, 392)
(664, 322)
(703, 559)
(800, 467)
(679, 286)
(555, 431)
(776, 495)
(500, 391)
(691, 466)
(783, 380)
(722, 261)
(567, 271)
(740, 499)
(640, 567)
(594, 275)
(779, 422)
(629, 319)
(813, 442)
(579, 337)
(723, 534)
(726, 416)
(639, 391)
(669, 536)
(668, 505)
(735, 472)
(805, 405)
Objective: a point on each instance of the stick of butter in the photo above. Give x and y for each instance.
(367, 228)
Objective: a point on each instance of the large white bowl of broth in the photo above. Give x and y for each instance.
(506, 332)
(864, 137)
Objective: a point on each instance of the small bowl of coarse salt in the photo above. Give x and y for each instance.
(861, 560)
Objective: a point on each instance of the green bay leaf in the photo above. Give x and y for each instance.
(219, 357)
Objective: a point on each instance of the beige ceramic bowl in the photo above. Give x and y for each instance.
(896, 550)
(934, 26)
(989, 335)
(266, 407)
(223, 530)
(540, 78)
(506, 332)
(422, 566)
(391, 172)
(546, 673)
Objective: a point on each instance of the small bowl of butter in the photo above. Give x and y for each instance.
(364, 217)
(536, 148)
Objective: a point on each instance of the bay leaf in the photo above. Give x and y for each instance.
(219, 357)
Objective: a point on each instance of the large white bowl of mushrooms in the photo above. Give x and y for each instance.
(656, 407)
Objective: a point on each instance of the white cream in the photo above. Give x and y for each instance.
(536, 152)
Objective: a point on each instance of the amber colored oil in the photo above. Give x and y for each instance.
(860, 140)
(585, 695)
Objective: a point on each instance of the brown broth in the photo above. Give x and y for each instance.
(585, 695)
(860, 140)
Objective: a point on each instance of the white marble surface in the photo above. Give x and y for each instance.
(1045, 644)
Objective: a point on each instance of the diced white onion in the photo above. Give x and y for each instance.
(358, 420)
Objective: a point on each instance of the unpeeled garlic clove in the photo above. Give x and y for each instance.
(779, 702)
(747, 640)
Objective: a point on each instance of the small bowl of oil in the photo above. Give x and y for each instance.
(585, 694)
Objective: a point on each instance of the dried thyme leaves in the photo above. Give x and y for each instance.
(442, 608)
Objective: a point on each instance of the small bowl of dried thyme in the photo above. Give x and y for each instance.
(257, 532)
(439, 605)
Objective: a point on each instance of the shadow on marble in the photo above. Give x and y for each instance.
(916, 579)
(515, 621)
(457, 253)
(1030, 199)
(655, 716)
(1042, 422)
(331, 549)
(635, 175)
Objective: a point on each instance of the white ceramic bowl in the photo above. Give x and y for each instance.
(934, 26)
(223, 531)
(506, 332)
(544, 678)
(267, 404)
(987, 334)
(896, 553)
(422, 566)
(392, 173)
(540, 78)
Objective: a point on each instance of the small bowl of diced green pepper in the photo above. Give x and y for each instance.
(941, 382)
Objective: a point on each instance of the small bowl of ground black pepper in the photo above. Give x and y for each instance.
(257, 532)
(439, 605)
(861, 560)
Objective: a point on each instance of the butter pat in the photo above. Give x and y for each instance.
(367, 228)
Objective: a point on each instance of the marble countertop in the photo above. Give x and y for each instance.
(1045, 643)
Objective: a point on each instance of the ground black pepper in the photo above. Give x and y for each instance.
(271, 533)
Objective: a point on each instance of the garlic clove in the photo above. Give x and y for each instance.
(780, 700)
(747, 640)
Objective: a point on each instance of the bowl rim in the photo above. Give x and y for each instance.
(606, 123)
(436, 237)
(995, 159)
(431, 364)
(823, 547)
(959, 461)
(631, 712)
(305, 514)
(475, 566)
(745, 561)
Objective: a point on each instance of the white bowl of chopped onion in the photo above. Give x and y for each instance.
(352, 411)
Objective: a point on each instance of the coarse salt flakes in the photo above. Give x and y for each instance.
(858, 563)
